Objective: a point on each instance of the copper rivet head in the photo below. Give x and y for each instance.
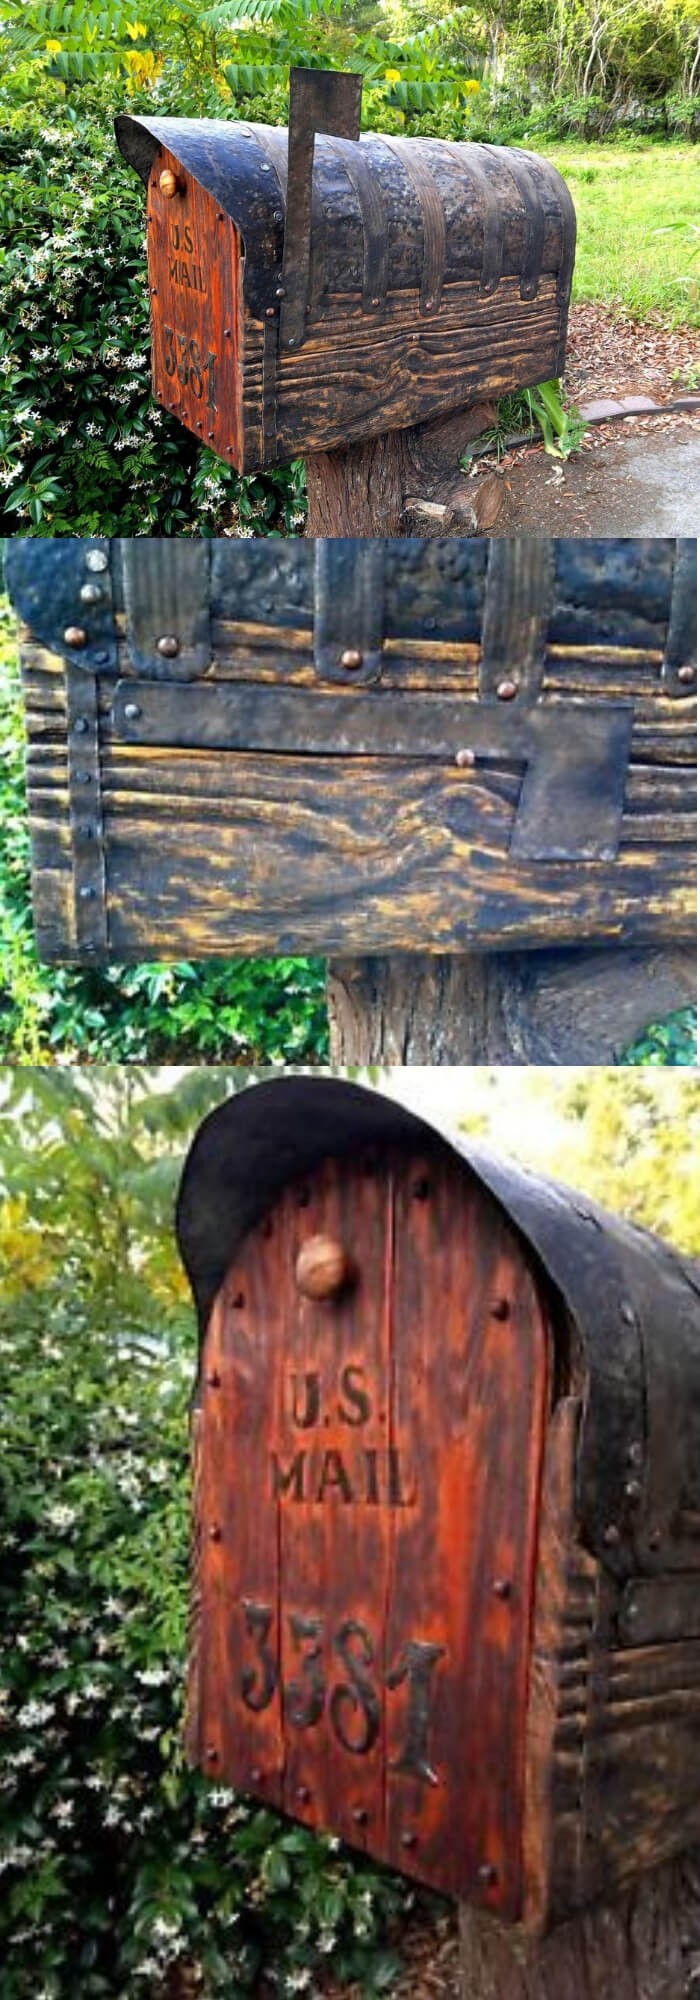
(214, 1533)
(611, 1537)
(75, 636)
(351, 658)
(465, 759)
(212, 1753)
(408, 1840)
(322, 1267)
(502, 1587)
(486, 1875)
(168, 183)
(507, 690)
(633, 1490)
(213, 1379)
(168, 646)
(303, 1794)
(359, 1815)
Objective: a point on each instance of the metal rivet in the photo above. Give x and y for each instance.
(101, 659)
(375, 302)
(359, 1815)
(86, 831)
(351, 658)
(266, 170)
(280, 291)
(421, 1190)
(75, 636)
(507, 690)
(487, 1874)
(96, 560)
(220, 215)
(465, 760)
(611, 1537)
(635, 1453)
(322, 1268)
(84, 777)
(90, 593)
(255, 1775)
(291, 341)
(429, 303)
(169, 646)
(655, 1538)
(686, 675)
(408, 1840)
(303, 1794)
(227, 333)
(633, 1490)
(270, 312)
(430, 624)
(502, 1587)
(627, 1313)
(238, 1299)
(154, 291)
(132, 711)
(210, 435)
(167, 183)
(277, 215)
(632, 1611)
(213, 1380)
(501, 1310)
(215, 1533)
(81, 726)
(212, 1753)
(200, 427)
(87, 893)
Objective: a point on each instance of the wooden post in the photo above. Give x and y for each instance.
(641, 1946)
(405, 482)
(503, 1007)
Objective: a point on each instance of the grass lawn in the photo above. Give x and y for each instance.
(638, 210)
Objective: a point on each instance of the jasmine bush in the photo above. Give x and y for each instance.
(122, 1870)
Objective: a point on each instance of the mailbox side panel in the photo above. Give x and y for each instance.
(367, 1501)
(355, 376)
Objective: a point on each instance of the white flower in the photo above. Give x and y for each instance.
(34, 1713)
(221, 1796)
(61, 1517)
(63, 1811)
(153, 1677)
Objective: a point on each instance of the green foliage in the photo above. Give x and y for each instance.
(672, 1043)
(261, 1010)
(119, 1864)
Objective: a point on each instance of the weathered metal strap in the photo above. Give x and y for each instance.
(679, 670)
(348, 609)
(166, 595)
(491, 216)
(576, 757)
(519, 589)
(85, 815)
(533, 253)
(273, 142)
(375, 223)
(433, 218)
(319, 101)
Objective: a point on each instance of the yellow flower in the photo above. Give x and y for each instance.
(134, 29)
(392, 75)
(471, 87)
(53, 48)
(142, 65)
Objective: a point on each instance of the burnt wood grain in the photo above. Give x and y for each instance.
(400, 748)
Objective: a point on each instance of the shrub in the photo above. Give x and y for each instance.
(119, 1864)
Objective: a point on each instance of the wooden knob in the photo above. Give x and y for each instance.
(168, 182)
(322, 1268)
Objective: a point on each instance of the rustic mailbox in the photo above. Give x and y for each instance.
(240, 747)
(447, 1502)
(311, 287)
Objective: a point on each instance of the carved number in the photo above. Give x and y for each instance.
(354, 1705)
(183, 357)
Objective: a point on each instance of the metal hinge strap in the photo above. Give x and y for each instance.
(433, 219)
(490, 211)
(166, 595)
(349, 609)
(519, 593)
(85, 816)
(375, 221)
(679, 670)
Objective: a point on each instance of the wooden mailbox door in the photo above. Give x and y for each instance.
(194, 260)
(367, 1481)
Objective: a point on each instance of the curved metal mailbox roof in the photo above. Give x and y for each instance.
(497, 209)
(632, 1301)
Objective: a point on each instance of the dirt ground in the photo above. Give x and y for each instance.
(634, 476)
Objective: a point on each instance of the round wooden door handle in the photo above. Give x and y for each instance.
(322, 1267)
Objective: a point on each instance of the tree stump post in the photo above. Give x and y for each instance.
(405, 482)
(563, 1006)
(644, 1945)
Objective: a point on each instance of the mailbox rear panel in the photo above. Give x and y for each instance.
(368, 1471)
(194, 258)
(279, 801)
